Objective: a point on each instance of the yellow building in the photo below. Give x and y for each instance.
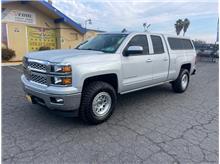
(29, 25)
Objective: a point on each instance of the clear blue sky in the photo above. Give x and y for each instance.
(114, 15)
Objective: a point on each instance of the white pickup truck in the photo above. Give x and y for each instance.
(85, 81)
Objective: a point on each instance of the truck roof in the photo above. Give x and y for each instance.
(166, 35)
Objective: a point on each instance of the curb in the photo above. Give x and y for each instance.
(11, 64)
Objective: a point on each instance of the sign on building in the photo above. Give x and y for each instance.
(38, 37)
(18, 16)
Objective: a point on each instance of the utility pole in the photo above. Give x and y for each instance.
(86, 21)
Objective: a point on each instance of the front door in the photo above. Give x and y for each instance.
(137, 68)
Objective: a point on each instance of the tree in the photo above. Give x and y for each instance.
(186, 24)
(124, 30)
(7, 54)
(146, 26)
(179, 26)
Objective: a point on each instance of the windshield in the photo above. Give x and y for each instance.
(108, 43)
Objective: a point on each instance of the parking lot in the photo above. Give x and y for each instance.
(155, 125)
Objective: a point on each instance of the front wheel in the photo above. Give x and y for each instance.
(98, 102)
(181, 83)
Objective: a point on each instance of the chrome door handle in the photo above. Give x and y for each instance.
(148, 60)
(165, 59)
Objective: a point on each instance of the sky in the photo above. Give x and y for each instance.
(115, 15)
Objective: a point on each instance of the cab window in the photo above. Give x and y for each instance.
(157, 44)
(139, 40)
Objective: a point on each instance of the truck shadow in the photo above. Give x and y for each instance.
(125, 103)
(142, 95)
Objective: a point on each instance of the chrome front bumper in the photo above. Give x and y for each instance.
(43, 96)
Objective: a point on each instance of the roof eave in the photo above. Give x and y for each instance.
(63, 17)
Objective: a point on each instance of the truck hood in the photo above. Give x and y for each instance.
(69, 55)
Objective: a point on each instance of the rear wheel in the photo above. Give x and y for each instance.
(98, 102)
(181, 83)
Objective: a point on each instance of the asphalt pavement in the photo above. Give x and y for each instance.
(154, 125)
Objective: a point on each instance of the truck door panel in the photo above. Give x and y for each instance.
(137, 69)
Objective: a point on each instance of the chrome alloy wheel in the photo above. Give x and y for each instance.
(184, 81)
(101, 104)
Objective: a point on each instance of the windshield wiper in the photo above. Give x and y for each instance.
(91, 49)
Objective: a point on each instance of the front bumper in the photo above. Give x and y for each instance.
(43, 96)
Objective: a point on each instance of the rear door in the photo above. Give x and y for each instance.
(160, 59)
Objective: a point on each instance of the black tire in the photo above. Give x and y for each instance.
(177, 84)
(89, 93)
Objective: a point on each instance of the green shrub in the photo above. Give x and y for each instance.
(7, 54)
(44, 48)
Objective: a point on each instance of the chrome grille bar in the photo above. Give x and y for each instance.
(38, 65)
(38, 78)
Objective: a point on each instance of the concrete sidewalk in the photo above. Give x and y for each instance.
(11, 63)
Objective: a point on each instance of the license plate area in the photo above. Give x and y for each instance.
(29, 98)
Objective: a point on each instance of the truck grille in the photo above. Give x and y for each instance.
(40, 71)
(38, 78)
(37, 66)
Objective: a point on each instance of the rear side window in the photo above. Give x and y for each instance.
(180, 44)
(140, 40)
(157, 44)
(187, 44)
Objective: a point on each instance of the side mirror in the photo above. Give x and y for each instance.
(134, 50)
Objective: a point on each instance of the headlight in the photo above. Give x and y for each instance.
(62, 69)
(59, 80)
(61, 75)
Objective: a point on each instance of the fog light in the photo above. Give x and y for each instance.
(57, 100)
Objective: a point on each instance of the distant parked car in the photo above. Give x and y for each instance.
(208, 50)
(216, 54)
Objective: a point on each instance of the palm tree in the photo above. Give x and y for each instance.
(124, 30)
(179, 26)
(186, 24)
